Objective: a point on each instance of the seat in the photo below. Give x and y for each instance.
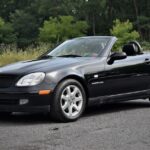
(130, 49)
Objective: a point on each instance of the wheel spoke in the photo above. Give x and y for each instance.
(65, 106)
(78, 99)
(68, 91)
(75, 91)
(70, 110)
(64, 97)
(75, 107)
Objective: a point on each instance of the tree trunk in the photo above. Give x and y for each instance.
(93, 25)
(136, 13)
(136, 8)
(110, 9)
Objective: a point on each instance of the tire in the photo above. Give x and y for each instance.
(69, 101)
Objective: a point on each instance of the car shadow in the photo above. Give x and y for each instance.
(116, 107)
(39, 118)
(25, 118)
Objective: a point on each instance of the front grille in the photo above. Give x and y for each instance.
(9, 101)
(7, 80)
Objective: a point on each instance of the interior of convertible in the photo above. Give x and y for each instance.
(132, 49)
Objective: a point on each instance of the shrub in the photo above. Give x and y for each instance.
(145, 45)
(124, 32)
(61, 28)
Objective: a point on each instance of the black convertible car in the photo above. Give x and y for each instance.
(77, 73)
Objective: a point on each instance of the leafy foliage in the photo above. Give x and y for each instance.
(92, 11)
(144, 26)
(62, 28)
(25, 17)
(25, 26)
(7, 34)
(124, 32)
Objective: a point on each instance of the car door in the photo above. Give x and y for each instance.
(93, 73)
(126, 76)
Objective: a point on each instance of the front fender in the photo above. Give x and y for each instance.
(54, 78)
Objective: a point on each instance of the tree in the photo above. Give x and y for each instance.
(62, 28)
(124, 32)
(143, 24)
(7, 34)
(27, 16)
(25, 26)
(92, 11)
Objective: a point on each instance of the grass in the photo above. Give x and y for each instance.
(10, 54)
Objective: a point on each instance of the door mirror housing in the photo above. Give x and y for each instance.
(116, 56)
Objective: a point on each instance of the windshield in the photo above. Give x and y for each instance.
(80, 47)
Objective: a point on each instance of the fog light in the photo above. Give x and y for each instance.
(23, 101)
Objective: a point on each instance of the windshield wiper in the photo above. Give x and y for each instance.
(71, 55)
(45, 57)
(49, 56)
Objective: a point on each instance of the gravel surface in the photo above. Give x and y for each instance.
(117, 126)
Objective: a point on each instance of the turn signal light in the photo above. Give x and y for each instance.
(44, 92)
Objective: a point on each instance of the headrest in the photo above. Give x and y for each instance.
(130, 49)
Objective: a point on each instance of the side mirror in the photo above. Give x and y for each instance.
(116, 56)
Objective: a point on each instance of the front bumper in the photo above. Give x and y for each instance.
(10, 102)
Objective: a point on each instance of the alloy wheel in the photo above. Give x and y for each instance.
(71, 101)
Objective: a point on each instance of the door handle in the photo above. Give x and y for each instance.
(147, 61)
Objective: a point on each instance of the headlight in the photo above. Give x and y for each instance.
(31, 79)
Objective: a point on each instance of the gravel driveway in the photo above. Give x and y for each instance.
(117, 126)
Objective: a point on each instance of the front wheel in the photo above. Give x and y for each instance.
(69, 101)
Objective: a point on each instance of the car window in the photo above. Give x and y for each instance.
(85, 47)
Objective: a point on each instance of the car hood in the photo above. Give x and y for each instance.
(43, 65)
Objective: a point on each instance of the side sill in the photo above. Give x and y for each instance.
(119, 97)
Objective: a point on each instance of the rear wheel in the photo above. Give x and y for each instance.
(69, 101)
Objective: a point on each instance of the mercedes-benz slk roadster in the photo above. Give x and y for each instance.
(75, 74)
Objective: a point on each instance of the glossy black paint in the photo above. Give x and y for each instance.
(124, 79)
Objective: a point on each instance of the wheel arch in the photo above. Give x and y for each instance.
(80, 80)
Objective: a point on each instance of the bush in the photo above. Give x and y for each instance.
(61, 28)
(145, 45)
(124, 32)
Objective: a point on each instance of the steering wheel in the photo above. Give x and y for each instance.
(137, 46)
